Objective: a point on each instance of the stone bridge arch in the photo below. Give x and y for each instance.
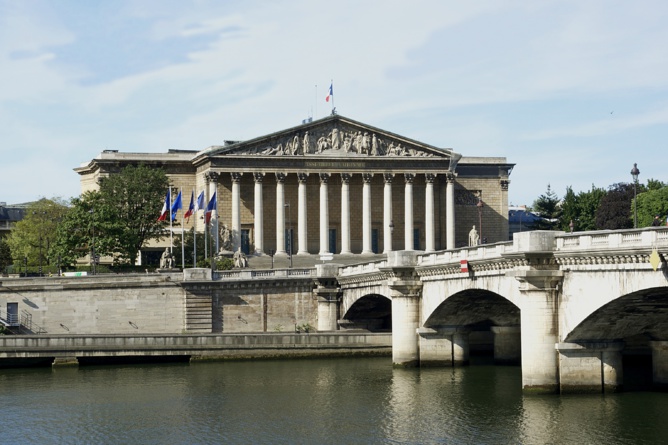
(372, 312)
(473, 320)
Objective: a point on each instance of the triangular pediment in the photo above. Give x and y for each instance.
(331, 137)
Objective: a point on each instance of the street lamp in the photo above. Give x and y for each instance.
(480, 205)
(634, 173)
(289, 231)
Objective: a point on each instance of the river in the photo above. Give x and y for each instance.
(332, 401)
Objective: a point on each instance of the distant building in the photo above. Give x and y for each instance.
(520, 220)
(10, 215)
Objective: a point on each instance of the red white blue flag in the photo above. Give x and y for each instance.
(191, 207)
(165, 207)
(210, 208)
(330, 95)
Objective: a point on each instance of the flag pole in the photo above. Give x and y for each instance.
(195, 237)
(171, 231)
(316, 102)
(183, 228)
(332, 90)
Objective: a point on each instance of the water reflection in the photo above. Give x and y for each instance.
(312, 401)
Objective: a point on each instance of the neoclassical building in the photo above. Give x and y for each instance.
(334, 185)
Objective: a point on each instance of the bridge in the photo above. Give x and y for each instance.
(568, 307)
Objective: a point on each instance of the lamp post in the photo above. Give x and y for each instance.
(480, 205)
(289, 231)
(634, 174)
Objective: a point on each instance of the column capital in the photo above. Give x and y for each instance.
(367, 178)
(450, 177)
(302, 177)
(345, 178)
(388, 177)
(504, 184)
(258, 177)
(236, 177)
(430, 178)
(211, 176)
(324, 177)
(409, 178)
(280, 177)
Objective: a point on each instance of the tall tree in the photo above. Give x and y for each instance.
(548, 208)
(581, 209)
(614, 211)
(651, 203)
(118, 219)
(33, 237)
(5, 255)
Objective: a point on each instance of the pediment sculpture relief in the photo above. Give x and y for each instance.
(332, 141)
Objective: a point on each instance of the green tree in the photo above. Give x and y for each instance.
(547, 206)
(5, 255)
(188, 238)
(614, 211)
(118, 219)
(581, 209)
(650, 203)
(34, 236)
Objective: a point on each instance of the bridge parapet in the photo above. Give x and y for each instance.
(617, 239)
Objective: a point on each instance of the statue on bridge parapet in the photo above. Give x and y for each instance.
(474, 238)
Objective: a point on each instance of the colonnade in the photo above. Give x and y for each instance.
(212, 179)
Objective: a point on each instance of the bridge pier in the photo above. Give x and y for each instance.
(507, 345)
(406, 291)
(539, 321)
(327, 291)
(444, 346)
(590, 367)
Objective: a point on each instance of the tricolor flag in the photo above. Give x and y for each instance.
(191, 207)
(165, 207)
(178, 205)
(330, 95)
(199, 205)
(210, 208)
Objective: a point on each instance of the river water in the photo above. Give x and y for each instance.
(333, 401)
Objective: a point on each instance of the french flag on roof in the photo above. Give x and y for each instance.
(330, 95)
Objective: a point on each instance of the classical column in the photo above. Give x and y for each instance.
(388, 225)
(236, 210)
(408, 212)
(280, 214)
(324, 214)
(366, 213)
(450, 211)
(429, 212)
(302, 225)
(345, 214)
(258, 223)
(212, 179)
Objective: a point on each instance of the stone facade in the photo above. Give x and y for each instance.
(339, 186)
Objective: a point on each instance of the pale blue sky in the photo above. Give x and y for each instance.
(573, 92)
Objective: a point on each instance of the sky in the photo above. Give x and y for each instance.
(571, 92)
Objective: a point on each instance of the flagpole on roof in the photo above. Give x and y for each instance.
(331, 91)
(315, 116)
